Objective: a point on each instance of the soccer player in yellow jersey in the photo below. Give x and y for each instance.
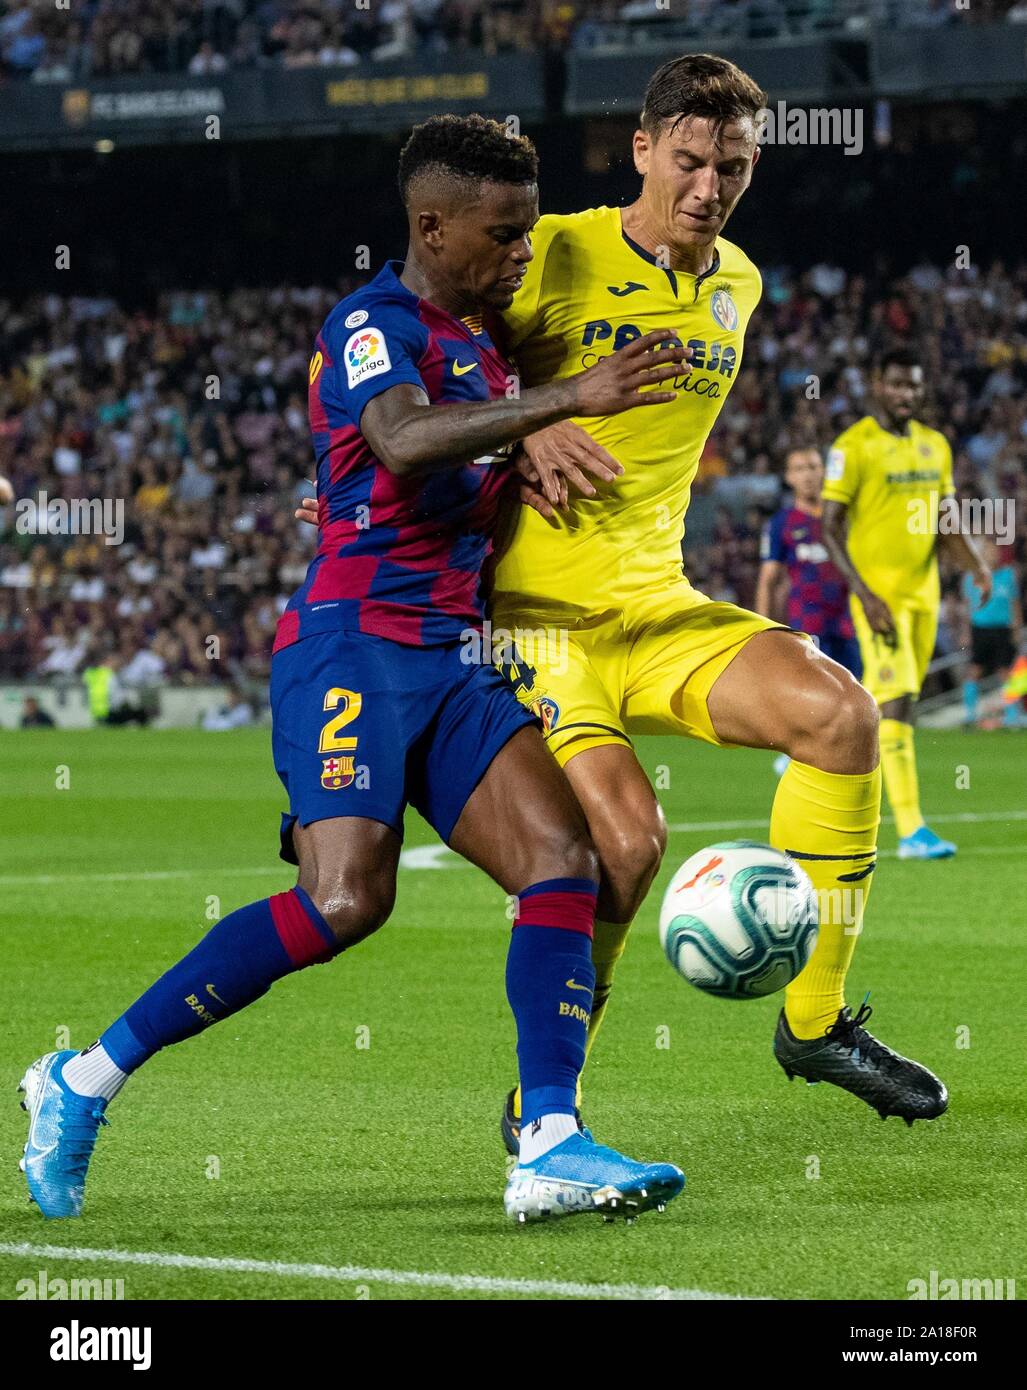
(623, 643)
(887, 480)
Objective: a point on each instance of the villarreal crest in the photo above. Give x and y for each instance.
(336, 773)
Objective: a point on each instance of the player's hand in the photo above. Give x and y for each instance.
(560, 456)
(982, 579)
(879, 615)
(307, 511)
(615, 383)
(6, 492)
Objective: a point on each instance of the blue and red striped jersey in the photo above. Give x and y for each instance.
(818, 601)
(398, 557)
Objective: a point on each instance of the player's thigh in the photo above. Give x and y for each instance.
(679, 648)
(626, 823)
(781, 692)
(522, 823)
(348, 866)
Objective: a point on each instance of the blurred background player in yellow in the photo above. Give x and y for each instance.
(887, 479)
(623, 642)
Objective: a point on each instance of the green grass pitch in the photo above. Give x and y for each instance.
(351, 1116)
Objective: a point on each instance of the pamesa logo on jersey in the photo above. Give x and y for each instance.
(724, 310)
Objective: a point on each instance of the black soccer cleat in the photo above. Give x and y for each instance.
(850, 1057)
(510, 1126)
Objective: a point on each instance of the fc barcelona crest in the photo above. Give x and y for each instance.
(336, 773)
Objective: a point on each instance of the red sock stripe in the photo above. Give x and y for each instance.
(571, 911)
(303, 943)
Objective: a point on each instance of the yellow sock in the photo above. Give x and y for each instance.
(828, 821)
(898, 763)
(608, 942)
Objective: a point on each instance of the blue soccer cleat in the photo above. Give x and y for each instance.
(62, 1132)
(580, 1175)
(924, 844)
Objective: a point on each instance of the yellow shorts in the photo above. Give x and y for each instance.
(597, 680)
(894, 669)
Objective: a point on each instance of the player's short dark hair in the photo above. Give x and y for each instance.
(903, 357)
(467, 147)
(699, 84)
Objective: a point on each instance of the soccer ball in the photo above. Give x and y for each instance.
(739, 919)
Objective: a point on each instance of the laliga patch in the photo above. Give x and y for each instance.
(357, 318)
(366, 355)
(724, 310)
(835, 465)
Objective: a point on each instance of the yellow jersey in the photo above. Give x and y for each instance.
(588, 292)
(893, 486)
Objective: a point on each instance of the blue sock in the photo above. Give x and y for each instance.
(549, 983)
(236, 962)
(971, 695)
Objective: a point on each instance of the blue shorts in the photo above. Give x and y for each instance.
(844, 650)
(362, 725)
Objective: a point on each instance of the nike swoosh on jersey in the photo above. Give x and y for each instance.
(459, 370)
(571, 985)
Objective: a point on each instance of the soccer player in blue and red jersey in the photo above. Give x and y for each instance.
(375, 703)
(798, 584)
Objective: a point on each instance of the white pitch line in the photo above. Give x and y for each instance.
(448, 861)
(946, 818)
(441, 857)
(357, 1274)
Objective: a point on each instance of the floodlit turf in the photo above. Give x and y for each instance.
(387, 1157)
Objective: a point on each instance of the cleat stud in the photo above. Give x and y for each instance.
(609, 1220)
(644, 1192)
(521, 1218)
(23, 1105)
(909, 1122)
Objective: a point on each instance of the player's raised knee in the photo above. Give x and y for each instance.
(631, 857)
(848, 735)
(354, 906)
(571, 854)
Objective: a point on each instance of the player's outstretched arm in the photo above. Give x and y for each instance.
(410, 437)
(835, 526)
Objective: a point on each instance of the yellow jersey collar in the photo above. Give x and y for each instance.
(671, 276)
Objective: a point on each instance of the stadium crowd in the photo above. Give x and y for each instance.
(191, 422)
(102, 38)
